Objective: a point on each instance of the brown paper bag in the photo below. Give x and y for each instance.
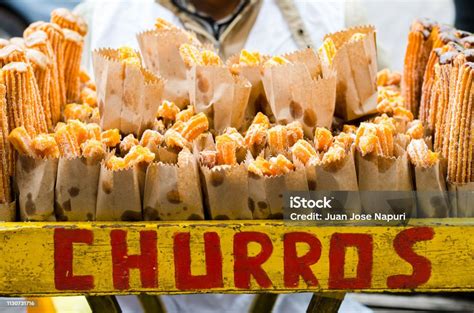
(226, 192)
(385, 174)
(76, 189)
(266, 193)
(336, 176)
(222, 96)
(8, 212)
(461, 199)
(356, 67)
(257, 100)
(35, 180)
(128, 95)
(118, 195)
(295, 96)
(432, 196)
(160, 51)
(173, 191)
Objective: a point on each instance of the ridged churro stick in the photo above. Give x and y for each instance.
(72, 63)
(66, 19)
(39, 41)
(42, 71)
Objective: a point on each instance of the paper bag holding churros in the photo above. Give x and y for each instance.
(299, 91)
(352, 54)
(128, 95)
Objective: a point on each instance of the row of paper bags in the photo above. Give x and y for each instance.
(180, 188)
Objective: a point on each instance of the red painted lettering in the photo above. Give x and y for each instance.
(337, 253)
(245, 266)
(403, 244)
(146, 262)
(182, 262)
(64, 278)
(296, 266)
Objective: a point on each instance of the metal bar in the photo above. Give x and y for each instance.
(263, 303)
(151, 304)
(325, 303)
(101, 304)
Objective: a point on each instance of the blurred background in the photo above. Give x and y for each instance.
(391, 18)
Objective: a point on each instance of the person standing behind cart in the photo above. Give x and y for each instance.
(269, 26)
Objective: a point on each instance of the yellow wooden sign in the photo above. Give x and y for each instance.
(233, 257)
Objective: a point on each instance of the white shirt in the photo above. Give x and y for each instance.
(114, 23)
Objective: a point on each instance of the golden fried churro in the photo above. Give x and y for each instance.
(39, 41)
(294, 130)
(74, 111)
(151, 139)
(138, 154)
(403, 113)
(93, 149)
(344, 140)
(333, 154)
(178, 126)
(420, 155)
(322, 139)
(94, 131)
(280, 165)
(73, 45)
(88, 96)
(277, 139)
(12, 53)
(260, 167)
(66, 19)
(387, 78)
(68, 146)
(78, 131)
(168, 110)
(21, 140)
(210, 58)
(190, 55)
(415, 129)
(250, 58)
(57, 40)
(366, 140)
(162, 24)
(45, 146)
(185, 114)
(195, 126)
(42, 70)
(129, 56)
(115, 163)
(303, 151)
(128, 143)
(208, 158)
(110, 137)
(174, 139)
(275, 61)
(226, 150)
(256, 134)
(385, 139)
(84, 77)
(6, 153)
(235, 136)
(23, 99)
(327, 51)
